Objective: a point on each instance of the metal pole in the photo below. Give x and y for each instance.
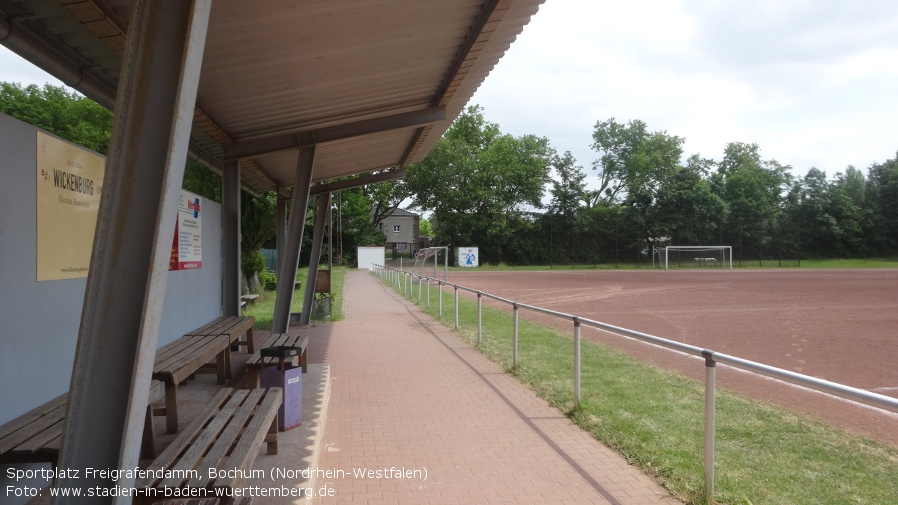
(230, 238)
(576, 362)
(440, 294)
(283, 300)
(125, 290)
(514, 352)
(420, 283)
(479, 318)
(321, 204)
(710, 429)
(456, 306)
(428, 292)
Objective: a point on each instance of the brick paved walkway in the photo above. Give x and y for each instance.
(408, 395)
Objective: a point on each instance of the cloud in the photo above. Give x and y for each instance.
(813, 83)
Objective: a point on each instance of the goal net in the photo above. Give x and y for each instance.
(704, 256)
(432, 256)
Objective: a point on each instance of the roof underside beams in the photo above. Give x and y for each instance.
(333, 133)
(372, 84)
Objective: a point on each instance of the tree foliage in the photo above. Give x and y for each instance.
(64, 113)
(478, 183)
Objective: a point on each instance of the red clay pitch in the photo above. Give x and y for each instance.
(838, 325)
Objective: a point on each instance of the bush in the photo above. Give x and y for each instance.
(252, 262)
(268, 279)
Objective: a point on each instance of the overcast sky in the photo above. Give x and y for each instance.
(813, 83)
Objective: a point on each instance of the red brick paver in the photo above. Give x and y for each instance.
(437, 423)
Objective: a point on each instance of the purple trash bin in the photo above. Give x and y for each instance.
(286, 376)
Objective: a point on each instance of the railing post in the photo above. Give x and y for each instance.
(456, 307)
(440, 294)
(576, 362)
(514, 350)
(710, 422)
(479, 318)
(420, 285)
(428, 292)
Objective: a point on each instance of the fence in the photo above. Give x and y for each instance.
(405, 281)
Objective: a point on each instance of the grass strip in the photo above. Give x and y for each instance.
(654, 418)
(263, 308)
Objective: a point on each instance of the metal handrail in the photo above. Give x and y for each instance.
(710, 357)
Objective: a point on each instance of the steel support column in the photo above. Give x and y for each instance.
(281, 232)
(321, 204)
(132, 246)
(230, 239)
(295, 225)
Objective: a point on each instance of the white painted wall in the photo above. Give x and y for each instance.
(369, 256)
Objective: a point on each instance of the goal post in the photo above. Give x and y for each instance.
(698, 256)
(423, 257)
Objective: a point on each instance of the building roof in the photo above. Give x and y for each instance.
(373, 84)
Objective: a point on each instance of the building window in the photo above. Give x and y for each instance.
(395, 228)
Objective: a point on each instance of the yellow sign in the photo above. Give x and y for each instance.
(69, 184)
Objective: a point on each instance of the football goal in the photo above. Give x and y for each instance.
(698, 256)
(432, 255)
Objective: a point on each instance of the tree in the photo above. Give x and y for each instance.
(64, 113)
(478, 183)
(753, 191)
(385, 196)
(881, 197)
(568, 187)
(633, 160)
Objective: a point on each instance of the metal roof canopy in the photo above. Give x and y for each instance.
(373, 84)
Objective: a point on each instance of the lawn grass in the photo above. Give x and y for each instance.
(263, 308)
(654, 418)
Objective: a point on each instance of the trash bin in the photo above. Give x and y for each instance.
(285, 375)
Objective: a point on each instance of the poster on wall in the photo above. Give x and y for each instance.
(468, 257)
(187, 245)
(69, 184)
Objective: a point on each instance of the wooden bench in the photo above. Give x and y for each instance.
(256, 362)
(232, 327)
(183, 358)
(226, 435)
(248, 299)
(36, 435)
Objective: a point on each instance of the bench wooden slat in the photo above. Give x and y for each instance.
(263, 423)
(230, 429)
(41, 440)
(36, 435)
(221, 446)
(30, 416)
(170, 454)
(29, 431)
(213, 431)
